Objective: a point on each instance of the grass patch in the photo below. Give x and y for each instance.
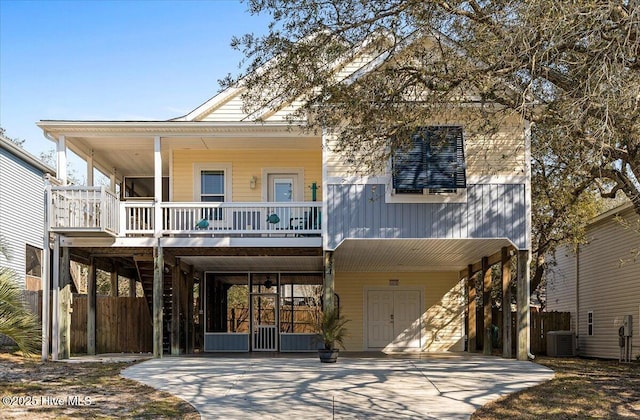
(581, 388)
(32, 389)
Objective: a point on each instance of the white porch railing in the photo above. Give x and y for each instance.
(83, 209)
(242, 218)
(99, 210)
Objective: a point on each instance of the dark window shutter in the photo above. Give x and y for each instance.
(434, 160)
(444, 158)
(409, 174)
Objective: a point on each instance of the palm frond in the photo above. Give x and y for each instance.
(16, 321)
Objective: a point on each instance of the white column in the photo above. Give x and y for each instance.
(61, 159)
(157, 161)
(90, 180)
(113, 179)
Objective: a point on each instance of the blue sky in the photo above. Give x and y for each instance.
(113, 60)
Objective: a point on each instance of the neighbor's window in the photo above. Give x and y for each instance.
(33, 261)
(433, 161)
(590, 323)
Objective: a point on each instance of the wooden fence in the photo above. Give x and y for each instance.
(541, 324)
(123, 324)
(299, 319)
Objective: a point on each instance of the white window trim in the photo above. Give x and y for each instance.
(228, 176)
(590, 333)
(460, 196)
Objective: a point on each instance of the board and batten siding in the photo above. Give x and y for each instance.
(491, 211)
(442, 314)
(21, 210)
(561, 283)
(244, 165)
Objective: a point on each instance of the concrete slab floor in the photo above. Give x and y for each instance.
(299, 386)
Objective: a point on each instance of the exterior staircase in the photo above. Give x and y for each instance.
(145, 268)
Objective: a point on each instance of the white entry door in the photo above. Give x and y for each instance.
(283, 189)
(393, 318)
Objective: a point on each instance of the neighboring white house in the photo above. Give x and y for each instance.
(599, 283)
(22, 196)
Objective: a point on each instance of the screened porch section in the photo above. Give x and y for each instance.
(261, 311)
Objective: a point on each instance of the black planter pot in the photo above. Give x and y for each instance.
(328, 356)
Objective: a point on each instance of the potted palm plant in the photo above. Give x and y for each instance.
(331, 331)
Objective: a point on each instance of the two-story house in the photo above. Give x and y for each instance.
(272, 224)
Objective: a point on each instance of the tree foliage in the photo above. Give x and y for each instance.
(571, 68)
(17, 141)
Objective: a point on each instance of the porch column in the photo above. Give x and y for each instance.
(522, 304)
(55, 297)
(64, 325)
(61, 159)
(158, 276)
(157, 185)
(175, 309)
(91, 308)
(132, 287)
(487, 273)
(471, 308)
(90, 169)
(329, 283)
(114, 280)
(506, 303)
(189, 327)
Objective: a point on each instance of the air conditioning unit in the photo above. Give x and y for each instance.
(561, 344)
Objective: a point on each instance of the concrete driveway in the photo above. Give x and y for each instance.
(300, 387)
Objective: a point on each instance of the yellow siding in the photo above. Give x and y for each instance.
(244, 165)
(442, 314)
(499, 154)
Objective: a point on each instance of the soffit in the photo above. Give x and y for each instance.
(414, 255)
(255, 263)
(128, 147)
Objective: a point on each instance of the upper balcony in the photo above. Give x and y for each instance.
(93, 211)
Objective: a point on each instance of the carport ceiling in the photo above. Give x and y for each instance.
(255, 263)
(408, 255)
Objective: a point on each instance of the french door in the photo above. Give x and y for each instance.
(393, 318)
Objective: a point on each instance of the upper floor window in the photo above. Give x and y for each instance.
(212, 186)
(433, 162)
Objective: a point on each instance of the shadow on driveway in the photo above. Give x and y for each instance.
(451, 387)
